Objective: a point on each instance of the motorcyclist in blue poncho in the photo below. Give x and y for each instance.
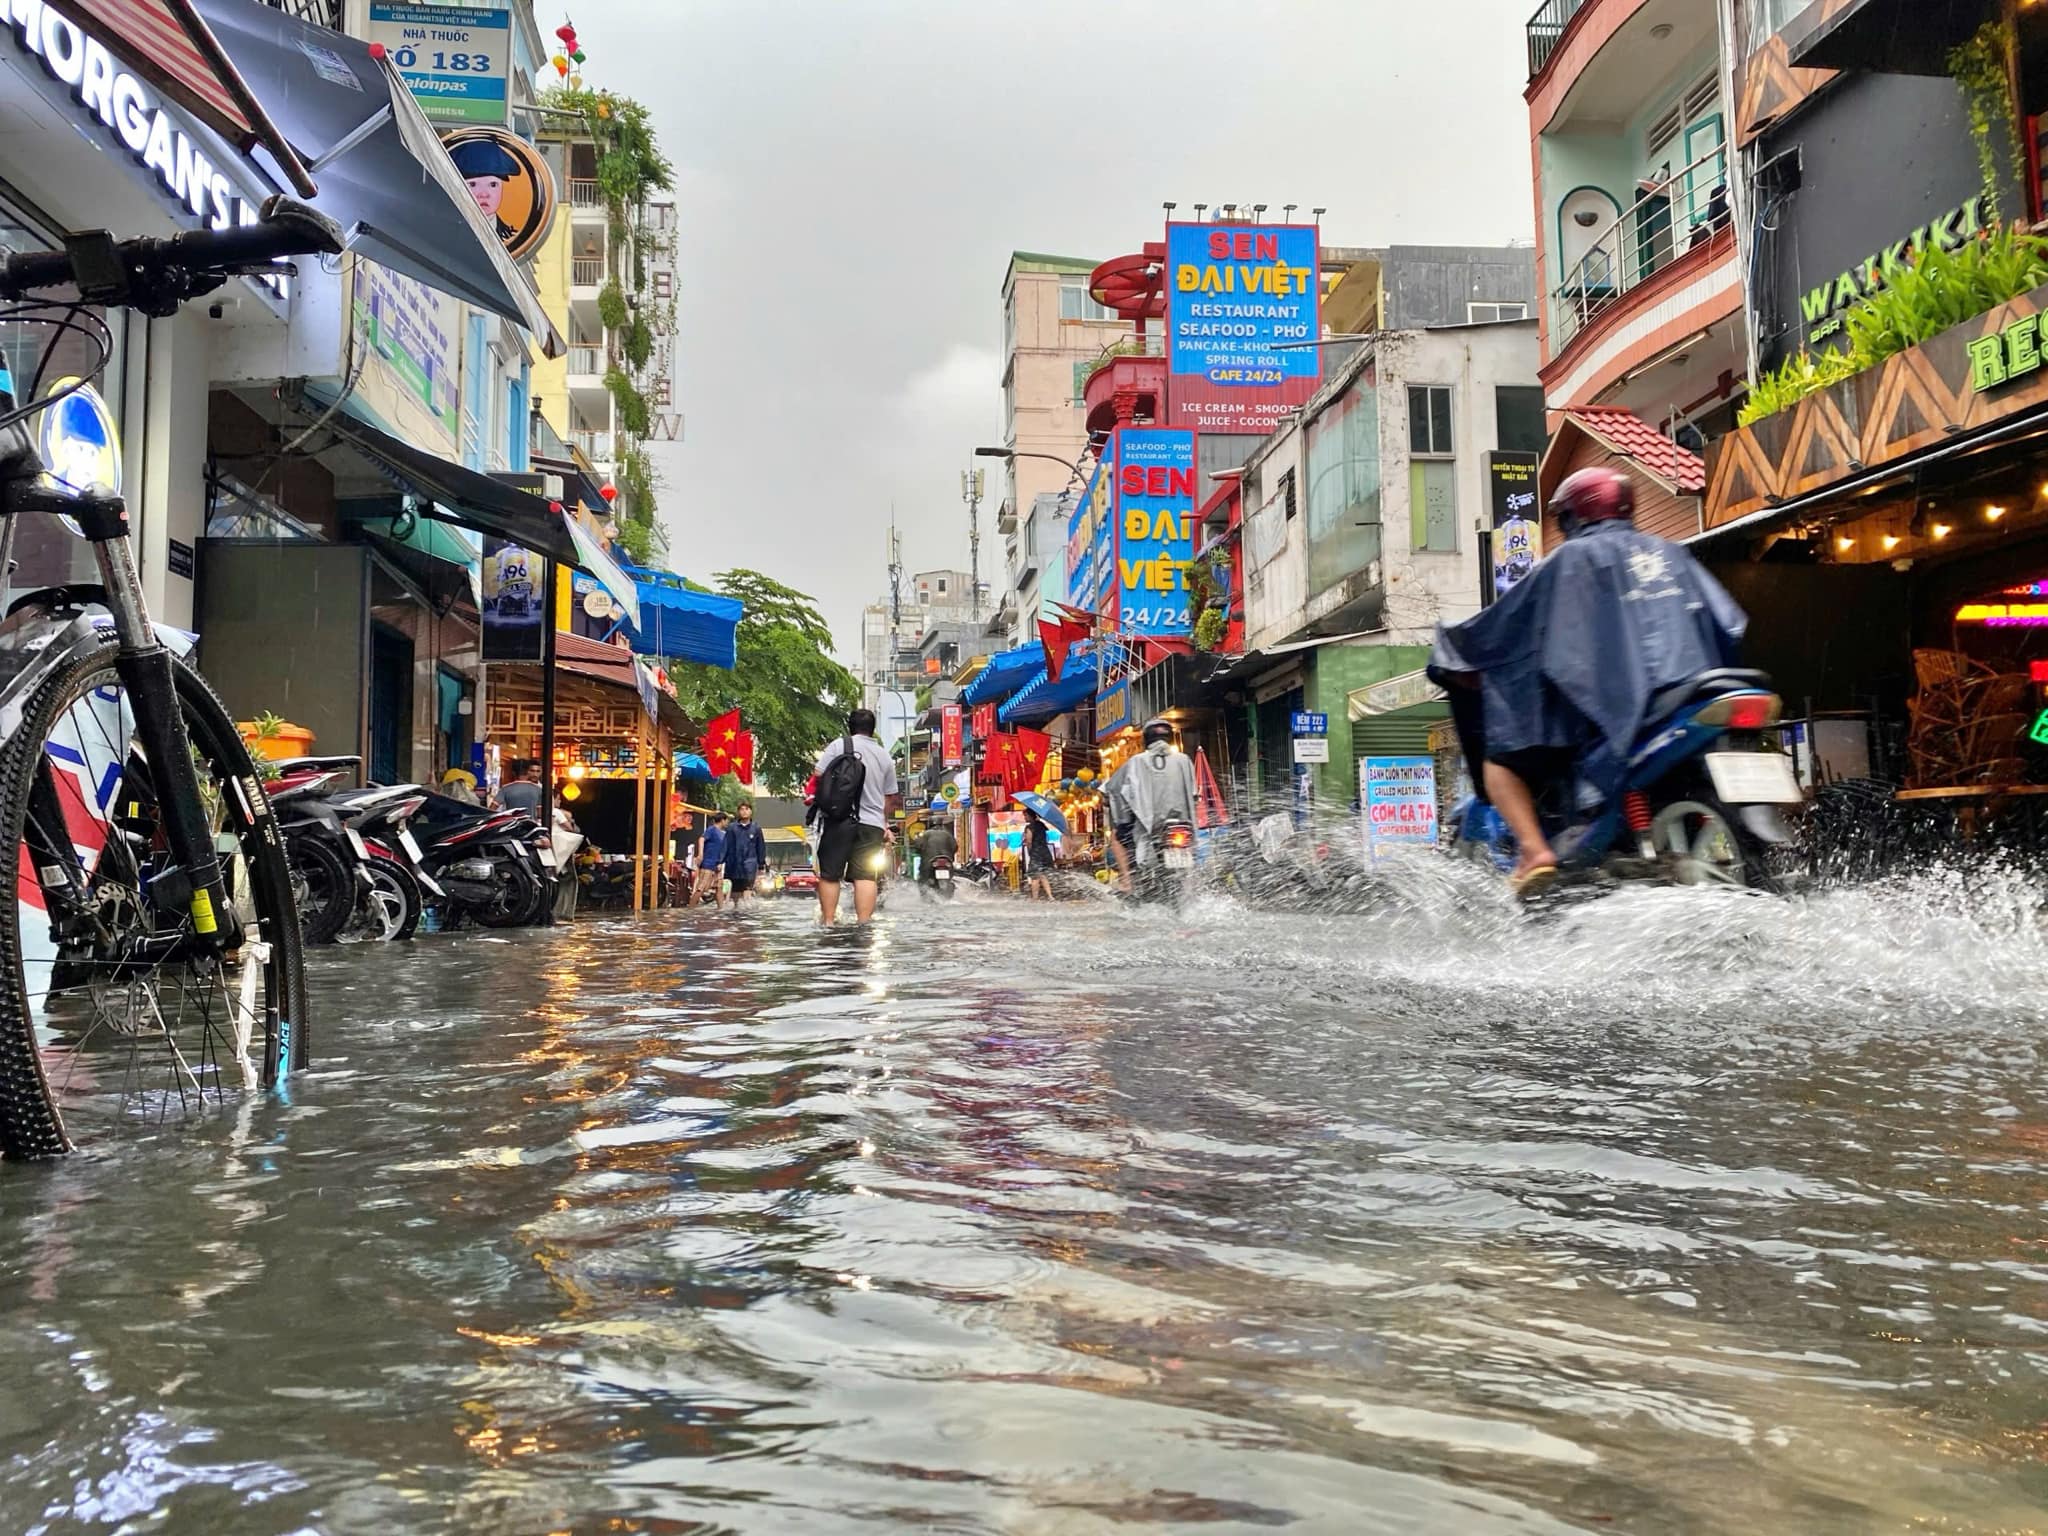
(1549, 687)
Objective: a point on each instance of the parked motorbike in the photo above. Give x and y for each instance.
(326, 863)
(397, 883)
(496, 868)
(1700, 803)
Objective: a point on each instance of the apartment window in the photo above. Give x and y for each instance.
(942, 586)
(1433, 505)
(1518, 419)
(924, 599)
(664, 284)
(1429, 421)
(1287, 493)
(1009, 322)
(1010, 401)
(1479, 314)
(1076, 303)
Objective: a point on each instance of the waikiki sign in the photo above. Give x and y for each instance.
(1823, 308)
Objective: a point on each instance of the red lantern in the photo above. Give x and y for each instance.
(566, 32)
(610, 493)
(554, 506)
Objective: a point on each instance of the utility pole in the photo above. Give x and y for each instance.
(970, 492)
(895, 601)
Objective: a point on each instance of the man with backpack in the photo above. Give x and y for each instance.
(856, 790)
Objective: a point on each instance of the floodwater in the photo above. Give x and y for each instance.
(1680, 1212)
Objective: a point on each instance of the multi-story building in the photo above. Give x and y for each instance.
(891, 646)
(1054, 333)
(1360, 535)
(1636, 212)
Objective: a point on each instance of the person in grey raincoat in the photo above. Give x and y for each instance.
(1553, 682)
(1156, 786)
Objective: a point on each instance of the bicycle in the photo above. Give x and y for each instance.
(153, 936)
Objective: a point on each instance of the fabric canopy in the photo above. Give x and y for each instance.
(1042, 698)
(682, 623)
(692, 769)
(592, 557)
(1006, 672)
(383, 174)
(458, 495)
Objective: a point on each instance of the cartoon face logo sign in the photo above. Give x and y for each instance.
(512, 185)
(80, 447)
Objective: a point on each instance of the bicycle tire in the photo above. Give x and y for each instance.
(32, 1124)
(313, 854)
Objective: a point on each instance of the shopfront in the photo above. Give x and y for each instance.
(108, 150)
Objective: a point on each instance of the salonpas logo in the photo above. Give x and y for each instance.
(1825, 306)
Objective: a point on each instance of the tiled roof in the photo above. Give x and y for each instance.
(1633, 438)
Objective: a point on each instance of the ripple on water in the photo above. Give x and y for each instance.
(1682, 1211)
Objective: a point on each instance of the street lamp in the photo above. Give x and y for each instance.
(1020, 453)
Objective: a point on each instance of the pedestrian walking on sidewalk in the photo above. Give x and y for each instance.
(856, 790)
(746, 854)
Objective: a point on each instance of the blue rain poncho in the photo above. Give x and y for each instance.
(1570, 658)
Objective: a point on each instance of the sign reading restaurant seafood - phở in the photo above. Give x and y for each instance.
(1243, 316)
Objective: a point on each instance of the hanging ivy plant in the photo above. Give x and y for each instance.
(1983, 68)
(632, 405)
(639, 342)
(611, 305)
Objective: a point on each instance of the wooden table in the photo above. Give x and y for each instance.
(1972, 801)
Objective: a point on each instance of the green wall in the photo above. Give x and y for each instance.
(1334, 674)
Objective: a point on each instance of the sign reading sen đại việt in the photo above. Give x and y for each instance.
(1243, 311)
(1155, 527)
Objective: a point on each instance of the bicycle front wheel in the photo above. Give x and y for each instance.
(115, 1019)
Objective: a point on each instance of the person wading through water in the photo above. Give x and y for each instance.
(856, 790)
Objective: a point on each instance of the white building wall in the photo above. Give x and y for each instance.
(1424, 587)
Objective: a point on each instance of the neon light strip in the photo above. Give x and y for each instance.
(2005, 615)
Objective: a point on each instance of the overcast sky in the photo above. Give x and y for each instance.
(853, 175)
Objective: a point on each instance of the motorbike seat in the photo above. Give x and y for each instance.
(1668, 701)
(312, 764)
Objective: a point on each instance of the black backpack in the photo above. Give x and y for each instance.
(839, 786)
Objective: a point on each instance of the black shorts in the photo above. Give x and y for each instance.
(740, 884)
(841, 847)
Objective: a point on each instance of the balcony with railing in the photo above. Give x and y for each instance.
(596, 446)
(1127, 382)
(1671, 219)
(586, 360)
(1547, 28)
(586, 272)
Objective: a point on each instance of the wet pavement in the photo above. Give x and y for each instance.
(1681, 1212)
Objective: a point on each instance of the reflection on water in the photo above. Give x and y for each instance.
(1681, 1211)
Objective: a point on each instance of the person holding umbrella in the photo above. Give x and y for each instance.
(1037, 857)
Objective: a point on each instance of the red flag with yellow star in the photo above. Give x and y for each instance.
(722, 744)
(1028, 756)
(743, 757)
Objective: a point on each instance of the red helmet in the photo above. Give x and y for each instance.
(1596, 495)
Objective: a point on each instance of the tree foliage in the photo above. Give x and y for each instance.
(790, 692)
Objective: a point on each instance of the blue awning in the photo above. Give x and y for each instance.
(692, 769)
(1005, 673)
(1042, 698)
(682, 623)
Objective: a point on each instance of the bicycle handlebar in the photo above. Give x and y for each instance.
(108, 272)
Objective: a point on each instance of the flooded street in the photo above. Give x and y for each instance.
(1679, 1212)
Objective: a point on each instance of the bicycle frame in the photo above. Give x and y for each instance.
(50, 629)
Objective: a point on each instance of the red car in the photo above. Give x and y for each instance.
(803, 880)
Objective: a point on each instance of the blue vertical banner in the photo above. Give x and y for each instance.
(1155, 529)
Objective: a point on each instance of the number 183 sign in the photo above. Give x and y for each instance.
(452, 58)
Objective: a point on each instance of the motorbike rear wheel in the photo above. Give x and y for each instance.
(525, 900)
(388, 909)
(1707, 843)
(324, 881)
